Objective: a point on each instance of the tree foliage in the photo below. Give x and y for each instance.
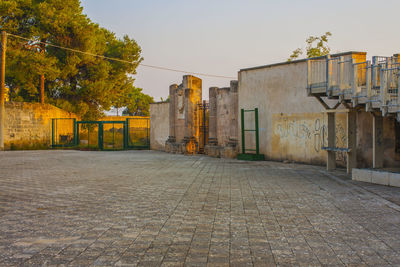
(79, 83)
(137, 103)
(316, 46)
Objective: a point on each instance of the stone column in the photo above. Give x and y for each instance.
(377, 146)
(172, 108)
(193, 94)
(235, 111)
(331, 160)
(212, 117)
(351, 140)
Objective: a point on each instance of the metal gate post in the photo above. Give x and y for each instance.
(257, 135)
(243, 132)
(124, 137)
(77, 134)
(127, 132)
(52, 132)
(74, 133)
(100, 141)
(147, 133)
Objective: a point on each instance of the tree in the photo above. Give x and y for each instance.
(316, 47)
(167, 100)
(137, 103)
(79, 83)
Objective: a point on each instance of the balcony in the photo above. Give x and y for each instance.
(350, 78)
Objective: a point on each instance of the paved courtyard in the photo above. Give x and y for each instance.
(150, 208)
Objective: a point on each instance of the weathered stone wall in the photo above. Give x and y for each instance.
(290, 122)
(184, 132)
(223, 115)
(159, 125)
(28, 125)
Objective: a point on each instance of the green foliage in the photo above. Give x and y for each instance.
(137, 103)
(316, 47)
(165, 100)
(76, 82)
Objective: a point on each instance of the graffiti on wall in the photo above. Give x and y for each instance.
(310, 132)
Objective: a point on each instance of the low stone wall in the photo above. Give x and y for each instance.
(159, 125)
(376, 177)
(28, 125)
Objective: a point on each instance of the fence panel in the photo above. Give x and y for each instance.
(138, 131)
(88, 135)
(113, 135)
(63, 132)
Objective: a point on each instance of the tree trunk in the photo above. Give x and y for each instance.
(42, 50)
(42, 89)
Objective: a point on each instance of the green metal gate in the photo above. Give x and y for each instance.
(254, 152)
(113, 135)
(88, 135)
(132, 133)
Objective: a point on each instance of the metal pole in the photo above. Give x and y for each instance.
(204, 123)
(52, 133)
(2, 87)
(257, 135)
(243, 137)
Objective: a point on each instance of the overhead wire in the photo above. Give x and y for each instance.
(121, 60)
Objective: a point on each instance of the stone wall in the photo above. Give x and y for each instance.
(223, 121)
(290, 121)
(28, 125)
(159, 125)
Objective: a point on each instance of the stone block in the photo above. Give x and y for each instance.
(380, 177)
(394, 179)
(213, 151)
(229, 152)
(362, 175)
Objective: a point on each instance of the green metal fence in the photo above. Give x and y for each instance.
(63, 132)
(138, 132)
(132, 133)
(88, 135)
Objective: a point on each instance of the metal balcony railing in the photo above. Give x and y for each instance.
(374, 83)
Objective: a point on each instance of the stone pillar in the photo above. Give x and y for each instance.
(331, 160)
(351, 140)
(377, 146)
(212, 117)
(193, 94)
(172, 108)
(235, 111)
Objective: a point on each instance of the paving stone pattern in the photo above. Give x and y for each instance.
(150, 208)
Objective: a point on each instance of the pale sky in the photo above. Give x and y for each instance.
(223, 36)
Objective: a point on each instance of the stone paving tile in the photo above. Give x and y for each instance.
(145, 208)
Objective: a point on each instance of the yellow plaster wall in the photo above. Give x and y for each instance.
(28, 125)
(300, 137)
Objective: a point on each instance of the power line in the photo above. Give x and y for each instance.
(122, 60)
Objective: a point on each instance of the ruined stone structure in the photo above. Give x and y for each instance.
(184, 130)
(223, 122)
(196, 126)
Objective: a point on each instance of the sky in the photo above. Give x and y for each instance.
(220, 37)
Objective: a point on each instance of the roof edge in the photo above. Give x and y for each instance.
(302, 60)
